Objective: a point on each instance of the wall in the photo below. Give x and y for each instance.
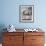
(10, 13)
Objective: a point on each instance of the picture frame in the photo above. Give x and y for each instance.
(26, 13)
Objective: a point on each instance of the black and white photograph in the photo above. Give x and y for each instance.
(26, 13)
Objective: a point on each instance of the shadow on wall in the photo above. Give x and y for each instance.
(2, 26)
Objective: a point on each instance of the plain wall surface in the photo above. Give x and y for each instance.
(9, 13)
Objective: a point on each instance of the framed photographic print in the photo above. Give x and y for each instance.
(26, 13)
